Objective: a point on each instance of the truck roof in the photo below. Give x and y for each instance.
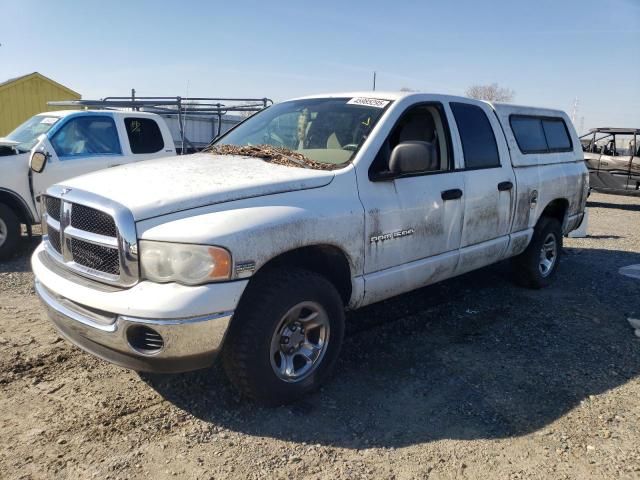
(64, 113)
(390, 95)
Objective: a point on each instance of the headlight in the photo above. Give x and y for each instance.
(183, 263)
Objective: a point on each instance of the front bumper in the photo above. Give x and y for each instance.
(187, 343)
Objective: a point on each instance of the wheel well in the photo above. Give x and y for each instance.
(12, 201)
(557, 209)
(326, 260)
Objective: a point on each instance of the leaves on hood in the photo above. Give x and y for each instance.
(271, 154)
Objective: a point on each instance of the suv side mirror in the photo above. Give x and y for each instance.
(413, 156)
(38, 161)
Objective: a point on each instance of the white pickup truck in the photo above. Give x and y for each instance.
(71, 143)
(329, 202)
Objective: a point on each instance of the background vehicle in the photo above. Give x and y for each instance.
(74, 142)
(371, 195)
(613, 159)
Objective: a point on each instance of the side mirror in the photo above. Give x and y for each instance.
(413, 156)
(38, 161)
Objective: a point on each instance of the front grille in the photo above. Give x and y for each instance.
(97, 257)
(52, 206)
(92, 220)
(54, 238)
(91, 235)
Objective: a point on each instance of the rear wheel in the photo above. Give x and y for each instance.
(9, 231)
(536, 267)
(285, 337)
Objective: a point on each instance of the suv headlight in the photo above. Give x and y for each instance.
(183, 263)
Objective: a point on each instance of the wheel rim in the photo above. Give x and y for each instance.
(300, 342)
(3, 232)
(548, 255)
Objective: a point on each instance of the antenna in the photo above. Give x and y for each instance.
(374, 81)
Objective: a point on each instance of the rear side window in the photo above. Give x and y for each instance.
(540, 134)
(476, 134)
(86, 135)
(556, 133)
(144, 135)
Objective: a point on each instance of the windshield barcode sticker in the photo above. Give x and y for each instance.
(370, 102)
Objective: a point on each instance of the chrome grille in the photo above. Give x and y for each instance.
(52, 205)
(92, 220)
(53, 236)
(91, 235)
(96, 257)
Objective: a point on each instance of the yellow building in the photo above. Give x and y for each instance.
(23, 97)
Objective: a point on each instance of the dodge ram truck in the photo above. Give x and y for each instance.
(311, 207)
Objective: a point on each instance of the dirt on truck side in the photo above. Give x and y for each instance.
(470, 378)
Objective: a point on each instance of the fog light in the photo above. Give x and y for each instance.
(144, 340)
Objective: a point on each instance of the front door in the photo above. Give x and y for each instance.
(80, 145)
(412, 224)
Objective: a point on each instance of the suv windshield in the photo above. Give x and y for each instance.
(325, 130)
(27, 134)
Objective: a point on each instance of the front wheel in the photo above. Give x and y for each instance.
(285, 336)
(536, 267)
(9, 231)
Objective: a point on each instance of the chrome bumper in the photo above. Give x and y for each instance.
(187, 343)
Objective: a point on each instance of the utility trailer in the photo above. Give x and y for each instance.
(194, 122)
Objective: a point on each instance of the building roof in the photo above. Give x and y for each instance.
(24, 78)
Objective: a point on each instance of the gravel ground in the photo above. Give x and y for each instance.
(470, 378)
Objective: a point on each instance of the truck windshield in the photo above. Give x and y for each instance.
(27, 134)
(325, 130)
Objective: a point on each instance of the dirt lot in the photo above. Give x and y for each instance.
(471, 378)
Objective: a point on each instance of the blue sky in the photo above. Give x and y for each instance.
(549, 52)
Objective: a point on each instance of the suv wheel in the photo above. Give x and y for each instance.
(536, 267)
(285, 336)
(9, 231)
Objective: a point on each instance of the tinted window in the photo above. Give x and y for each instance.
(81, 136)
(556, 133)
(529, 134)
(478, 141)
(144, 135)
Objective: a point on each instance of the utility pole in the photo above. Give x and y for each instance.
(374, 81)
(574, 112)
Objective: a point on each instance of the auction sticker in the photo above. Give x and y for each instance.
(369, 102)
(49, 120)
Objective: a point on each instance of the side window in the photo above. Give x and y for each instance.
(144, 135)
(540, 134)
(476, 134)
(82, 136)
(425, 123)
(556, 134)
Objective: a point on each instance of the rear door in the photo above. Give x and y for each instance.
(79, 145)
(489, 185)
(412, 223)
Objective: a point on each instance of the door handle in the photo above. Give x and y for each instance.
(504, 186)
(114, 165)
(452, 194)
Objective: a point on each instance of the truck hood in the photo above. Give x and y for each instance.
(171, 184)
(5, 142)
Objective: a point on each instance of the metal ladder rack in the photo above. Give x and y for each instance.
(216, 110)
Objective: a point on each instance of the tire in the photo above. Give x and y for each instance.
(530, 269)
(9, 231)
(255, 354)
